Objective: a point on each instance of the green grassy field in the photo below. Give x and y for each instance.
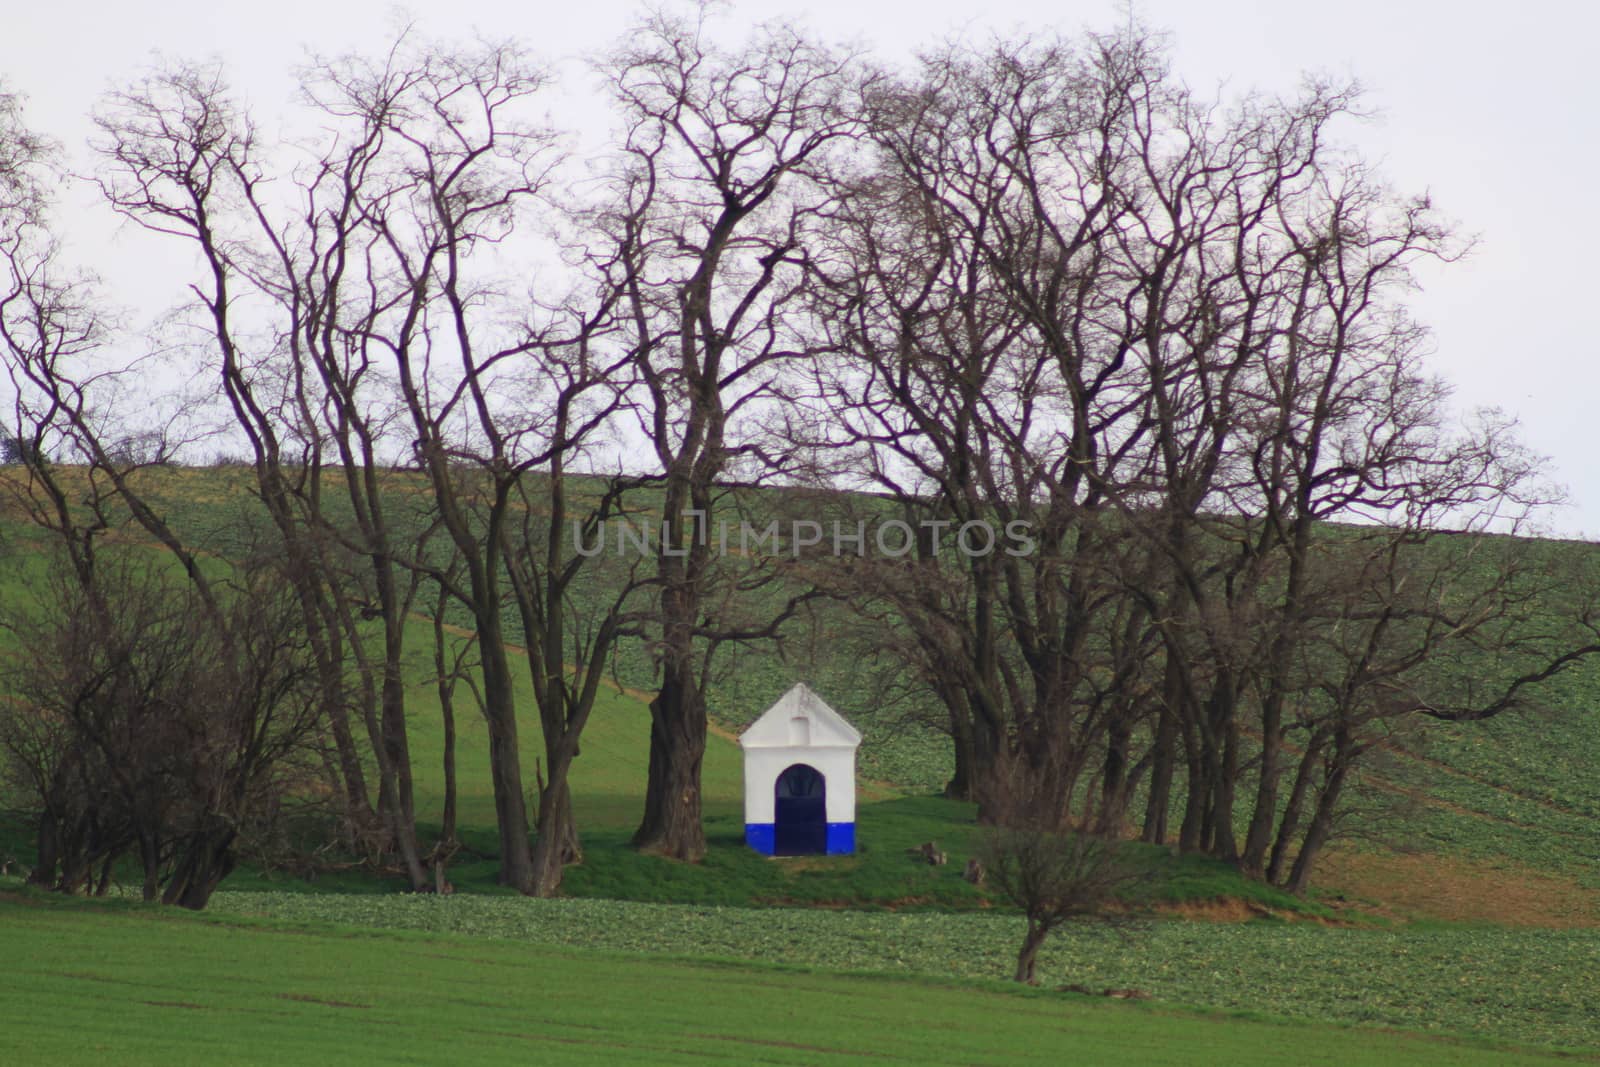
(87, 984)
(1532, 986)
(658, 961)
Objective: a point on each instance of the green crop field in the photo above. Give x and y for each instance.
(1521, 985)
(87, 984)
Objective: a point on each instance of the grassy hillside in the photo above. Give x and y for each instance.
(608, 780)
(665, 961)
(1515, 795)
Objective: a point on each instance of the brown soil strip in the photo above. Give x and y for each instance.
(306, 998)
(1455, 772)
(1457, 889)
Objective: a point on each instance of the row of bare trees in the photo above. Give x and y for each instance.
(1170, 336)
(1035, 283)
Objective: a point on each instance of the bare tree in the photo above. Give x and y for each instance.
(1055, 877)
(1168, 337)
(715, 209)
(364, 318)
(976, 385)
(503, 404)
(142, 721)
(151, 708)
(183, 160)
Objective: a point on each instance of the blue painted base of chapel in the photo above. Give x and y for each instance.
(763, 837)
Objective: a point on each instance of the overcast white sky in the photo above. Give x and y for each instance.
(1496, 114)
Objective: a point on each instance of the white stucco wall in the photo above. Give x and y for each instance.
(762, 766)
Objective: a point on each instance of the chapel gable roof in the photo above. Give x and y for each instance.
(827, 727)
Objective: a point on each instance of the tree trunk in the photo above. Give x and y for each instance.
(1289, 824)
(1222, 748)
(1265, 814)
(1158, 802)
(76, 864)
(1028, 957)
(671, 824)
(505, 759)
(206, 861)
(1219, 812)
(995, 775)
(1321, 827)
(447, 820)
(1114, 784)
(48, 853)
(960, 785)
(401, 812)
(150, 860)
(1190, 834)
(329, 654)
(1003, 798)
(557, 842)
(511, 808)
(446, 681)
(357, 803)
(397, 750)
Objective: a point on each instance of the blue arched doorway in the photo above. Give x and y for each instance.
(801, 812)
